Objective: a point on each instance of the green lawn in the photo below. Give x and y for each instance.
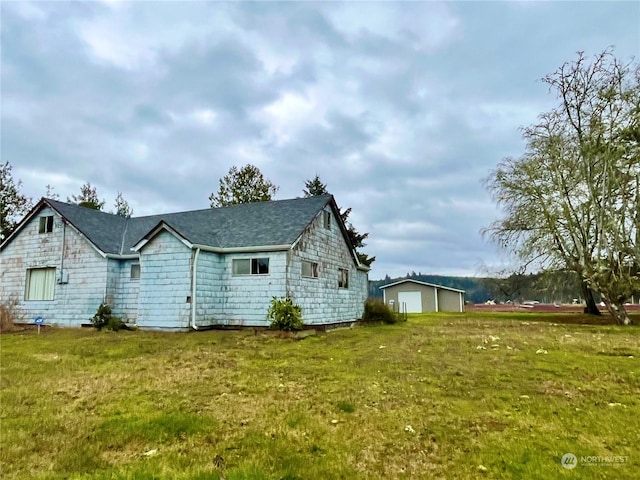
(441, 396)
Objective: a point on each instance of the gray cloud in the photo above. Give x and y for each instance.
(400, 108)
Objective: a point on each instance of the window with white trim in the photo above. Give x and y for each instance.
(46, 224)
(343, 278)
(40, 283)
(250, 266)
(309, 269)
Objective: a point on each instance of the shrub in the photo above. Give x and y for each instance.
(6, 319)
(375, 310)
(9, 314)
(115, 324)
(104, 319)
(284, 314)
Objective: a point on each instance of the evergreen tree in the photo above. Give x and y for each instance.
(13, 205)
(247, 185)
(314, 187)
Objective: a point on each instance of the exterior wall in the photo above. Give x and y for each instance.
(448, 300)
(122, 290)
(209, 289)
(165, 283)
(74, 303)
(246, 298)
(427, 295)
(321, 300)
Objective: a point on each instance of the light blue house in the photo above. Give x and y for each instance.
(197, 269)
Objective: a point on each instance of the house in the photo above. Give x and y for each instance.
(196, 269)
(413, 296)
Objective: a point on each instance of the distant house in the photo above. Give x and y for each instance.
(203, 268)
(419, 297)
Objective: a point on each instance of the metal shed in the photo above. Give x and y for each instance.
(420, 297)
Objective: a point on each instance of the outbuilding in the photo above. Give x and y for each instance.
(413, 296)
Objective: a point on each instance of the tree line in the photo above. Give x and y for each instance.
(559, 287)
(239, 185)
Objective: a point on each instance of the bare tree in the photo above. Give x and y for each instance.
(122, 206)
(573, 198)
(88, 198)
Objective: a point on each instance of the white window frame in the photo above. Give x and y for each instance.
(254, 266)
(40, 284)
(343, 278)
(311, 269)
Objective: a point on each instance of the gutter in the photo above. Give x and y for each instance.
(267, 248)
(64, 235)
(194, 271)
(115, 256)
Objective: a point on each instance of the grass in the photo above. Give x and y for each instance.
(440, 396)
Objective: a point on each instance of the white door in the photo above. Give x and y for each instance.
(413, 301)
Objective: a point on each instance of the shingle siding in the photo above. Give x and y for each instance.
(75, 302)
(165, 283)
(246, 298)
(321, 300)
(123, 290)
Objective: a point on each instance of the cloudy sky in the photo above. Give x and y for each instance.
(401, 108)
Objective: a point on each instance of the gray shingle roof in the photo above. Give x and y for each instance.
(278, 222)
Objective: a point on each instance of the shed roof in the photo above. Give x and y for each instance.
(410, 280)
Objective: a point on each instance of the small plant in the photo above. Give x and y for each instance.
(104, 319)
(375, 310)
(284, 315)
(346, 407)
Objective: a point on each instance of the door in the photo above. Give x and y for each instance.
(413, 301)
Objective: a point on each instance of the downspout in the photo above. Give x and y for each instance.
(64, 231)
(194, 271)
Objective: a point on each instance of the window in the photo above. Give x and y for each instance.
(46, 224)
(343, 278)
(135, 271)
(40, 283)
(309, 269)
(250, 266)
(327, 220)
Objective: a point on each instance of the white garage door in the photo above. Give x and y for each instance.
(413, 301)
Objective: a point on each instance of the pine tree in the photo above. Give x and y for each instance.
(13, 205)
(247, 185)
